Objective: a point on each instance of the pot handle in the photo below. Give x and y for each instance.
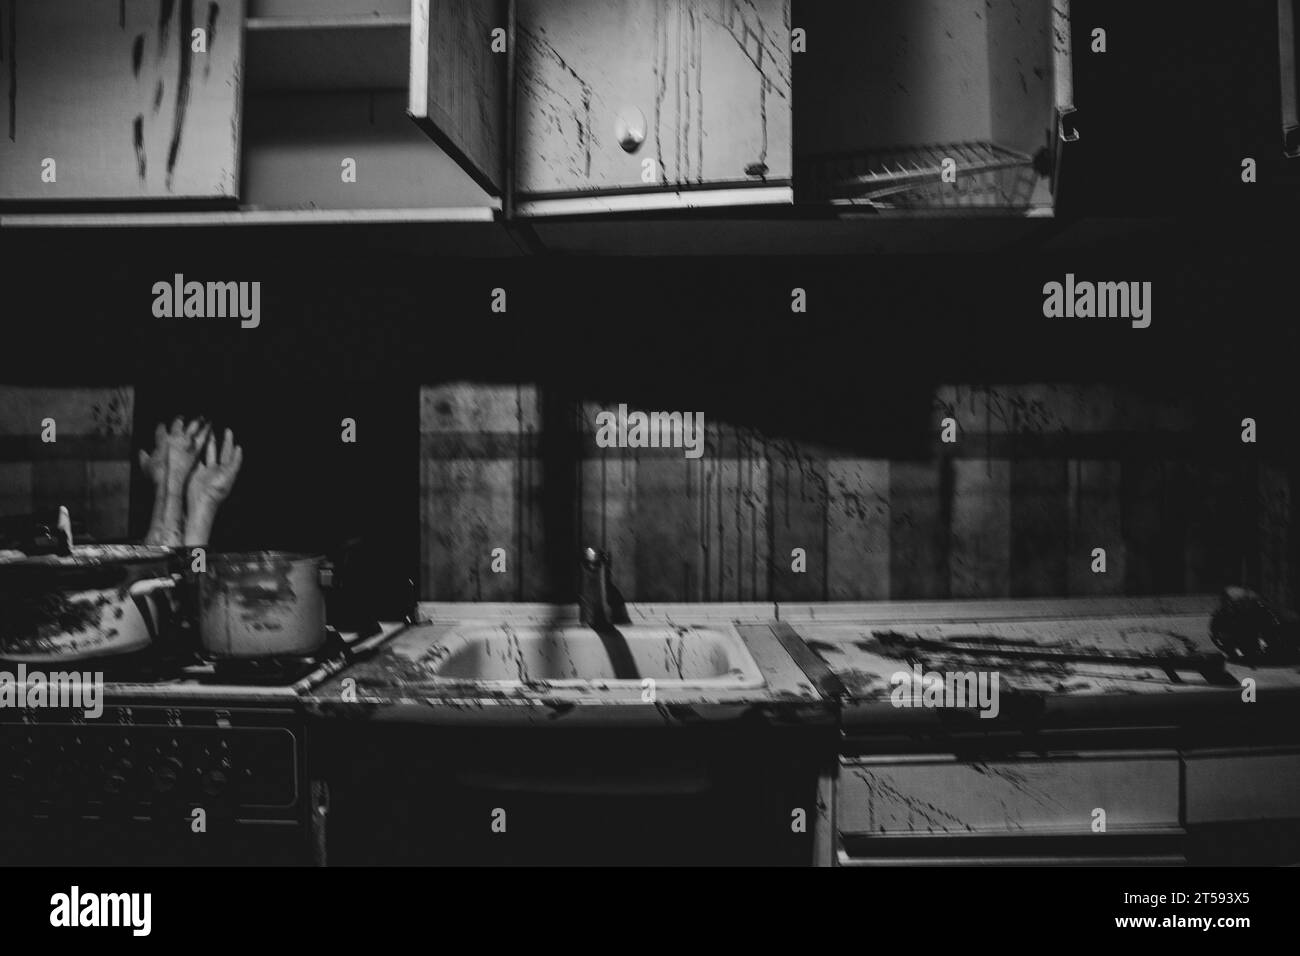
(147, 586)
(139, 593)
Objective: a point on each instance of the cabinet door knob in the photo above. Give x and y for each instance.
(629, 128)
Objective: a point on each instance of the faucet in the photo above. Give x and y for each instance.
(599, 603)
(600, 607)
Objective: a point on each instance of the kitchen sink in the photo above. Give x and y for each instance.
(578, 656)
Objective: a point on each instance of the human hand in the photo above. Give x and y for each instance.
(154, 464)
(214, 475)
(184, 446)
(168, 466)
(213, 478)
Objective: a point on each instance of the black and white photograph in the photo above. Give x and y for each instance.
(673, 435)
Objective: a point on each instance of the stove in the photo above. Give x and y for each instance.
(190, 761)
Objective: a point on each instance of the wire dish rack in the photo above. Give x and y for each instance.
(911, 177)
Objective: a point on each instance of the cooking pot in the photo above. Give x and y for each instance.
(262, 604)
(98, 601)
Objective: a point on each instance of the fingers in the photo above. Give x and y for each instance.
(212, 453)
(227, 447)
(144, 460)
(191, 434)
(237, 461)
(160, 436)
(65, 525)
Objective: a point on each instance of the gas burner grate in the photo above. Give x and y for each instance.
(152, 665)
(176, 664)
(276, 671)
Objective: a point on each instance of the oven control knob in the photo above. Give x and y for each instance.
(166, 775)
(214, 782)
(119, 777)
(67, 767)
(16, 779)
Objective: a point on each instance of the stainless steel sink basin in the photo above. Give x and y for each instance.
(506, 655)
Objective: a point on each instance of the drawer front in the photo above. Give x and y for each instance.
(1242, 787)
(1058, 796)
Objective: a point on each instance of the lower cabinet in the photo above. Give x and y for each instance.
(1103, 808)
(1223, 806)
(1232, 787)
(698, 796)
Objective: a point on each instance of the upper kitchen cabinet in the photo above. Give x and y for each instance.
(135, 100)
(326, 130)
(894, 93)
(649, 104)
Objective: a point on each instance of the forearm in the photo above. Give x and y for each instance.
(168, 505)
(173, 515)
(198, 523)
(156, 519)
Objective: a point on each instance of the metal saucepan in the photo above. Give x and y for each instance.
(98, 601)
(262, 604)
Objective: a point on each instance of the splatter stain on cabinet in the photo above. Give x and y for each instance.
(703, 87)
(120, 99)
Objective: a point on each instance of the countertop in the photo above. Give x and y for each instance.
(1047, 657)
(828, 663)
(391, 681)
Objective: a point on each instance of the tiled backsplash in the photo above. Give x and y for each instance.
(1038, 477)
(480, 490)
(87, 468)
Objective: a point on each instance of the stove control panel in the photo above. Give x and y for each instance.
(240, 764)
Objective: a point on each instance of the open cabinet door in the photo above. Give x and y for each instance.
(458, 82)
(1063, 70)
(1290, 94)
(137, 100)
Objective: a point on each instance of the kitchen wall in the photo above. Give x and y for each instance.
(481, 490)
(1038, 477)
(88, 466)
(823, 429)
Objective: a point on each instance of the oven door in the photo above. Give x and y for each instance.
(145, 785)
